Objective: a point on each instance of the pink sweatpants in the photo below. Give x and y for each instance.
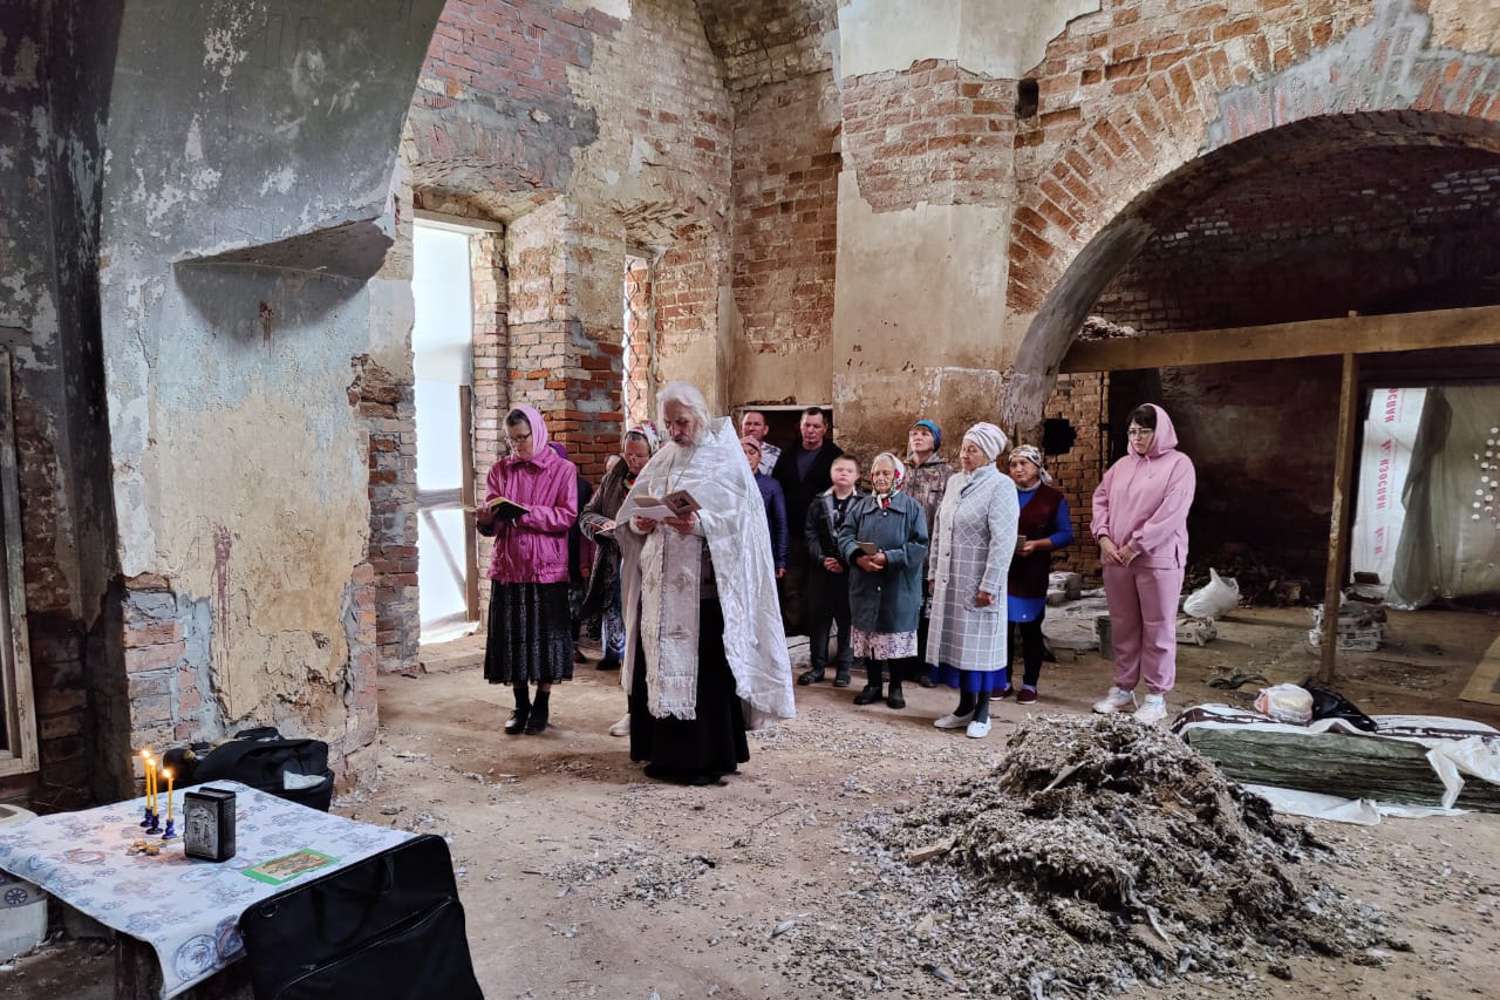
(1143, 624)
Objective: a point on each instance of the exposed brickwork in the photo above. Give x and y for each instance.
(494, 120)
(640, 321)
(489, 286)
(388, 406)
(687, 282)
(1132, 93)
(786, 170)
(1372, 230)
(1083, 400)
(935, 132)
(770, 41)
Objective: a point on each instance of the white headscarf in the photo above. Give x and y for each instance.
(1033, 454)
(987, 438)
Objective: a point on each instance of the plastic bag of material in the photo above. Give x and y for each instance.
(1332, 705)
(1217, 597)
(1286, 703)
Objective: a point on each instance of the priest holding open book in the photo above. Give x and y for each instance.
(705, 653)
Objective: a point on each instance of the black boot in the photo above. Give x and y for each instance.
(841, 676)
(894, 698)
(538, 720)
(608, 662)
(519, 717)
(813, 676)
(871, 692)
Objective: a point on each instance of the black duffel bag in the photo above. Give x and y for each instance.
(389, 927)
(261, 759)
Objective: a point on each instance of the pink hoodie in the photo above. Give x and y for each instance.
(534, 548)
(1143, 500)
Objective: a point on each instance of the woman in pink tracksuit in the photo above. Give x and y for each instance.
(1140, 520)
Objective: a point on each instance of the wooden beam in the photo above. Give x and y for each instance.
(1313, 338)
(1338, 526)
(467, 490)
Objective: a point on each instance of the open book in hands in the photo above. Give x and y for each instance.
(868, 548)
(679, 504)
(507, 509)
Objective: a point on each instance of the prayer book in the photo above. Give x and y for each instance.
(679, 504)
(868, 548)
(507, 508)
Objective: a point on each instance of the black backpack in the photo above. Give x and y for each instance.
(389, 927)
(260, 758)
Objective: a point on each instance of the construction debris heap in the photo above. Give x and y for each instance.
(1100, 854)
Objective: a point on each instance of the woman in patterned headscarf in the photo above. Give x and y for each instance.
(598, 524)
(976, 540)
(884, 541)
(1045, 526)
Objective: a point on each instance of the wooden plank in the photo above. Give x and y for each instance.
(20, 722)
(1313, 338)
(1338, 527)
(471, 535)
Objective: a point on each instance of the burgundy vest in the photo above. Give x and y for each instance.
(1028, 576)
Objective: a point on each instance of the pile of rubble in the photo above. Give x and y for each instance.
(1361, 625)
(1100, 855)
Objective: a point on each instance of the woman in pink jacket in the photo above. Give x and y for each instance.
(530, 633)
(1140, 519)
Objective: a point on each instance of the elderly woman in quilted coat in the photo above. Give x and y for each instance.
(969, 565)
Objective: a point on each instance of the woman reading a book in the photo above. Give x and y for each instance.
(884, 542)
(598, 524)
(530, 505)
(704, 643)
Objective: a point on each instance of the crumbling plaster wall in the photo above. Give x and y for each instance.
(247, 208)
(926, 198)
(53, 89)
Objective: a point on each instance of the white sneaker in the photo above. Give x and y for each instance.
(1115, 701)
(621, 728)
(953, 721)
(978, 730)
(1152, 710)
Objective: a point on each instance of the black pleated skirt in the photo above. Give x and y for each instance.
(714, 743)
(530, 634)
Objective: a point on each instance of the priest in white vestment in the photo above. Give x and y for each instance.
(703, 624)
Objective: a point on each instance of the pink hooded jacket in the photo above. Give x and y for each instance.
(1143, 500)
(534, 548)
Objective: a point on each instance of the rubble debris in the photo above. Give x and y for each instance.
(1064, 587)
(1361, 626)
(1196, 631)
(1099, 328)
(1100, 854)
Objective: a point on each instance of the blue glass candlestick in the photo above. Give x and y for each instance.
(146, 820)
(155, 826)
(171, 830)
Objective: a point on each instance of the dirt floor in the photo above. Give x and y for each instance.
(581, 878)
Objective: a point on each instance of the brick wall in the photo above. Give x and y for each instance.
(387, 405)
(1372, 230)
(770, 41)
(640, 320)
(935, 132)
(1133, 93)
(1083, 400)
(489, 286)
(786, 168)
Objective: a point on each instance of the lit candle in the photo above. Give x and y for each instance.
(151, 783)
(168, 773)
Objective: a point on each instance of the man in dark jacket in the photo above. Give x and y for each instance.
(828, 574)
(803, 473)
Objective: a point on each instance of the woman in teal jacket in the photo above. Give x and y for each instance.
(884, 541)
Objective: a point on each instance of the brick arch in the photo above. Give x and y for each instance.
(1233, 104)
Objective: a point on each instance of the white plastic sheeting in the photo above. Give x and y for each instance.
(1390, 432)
(1450, 538)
